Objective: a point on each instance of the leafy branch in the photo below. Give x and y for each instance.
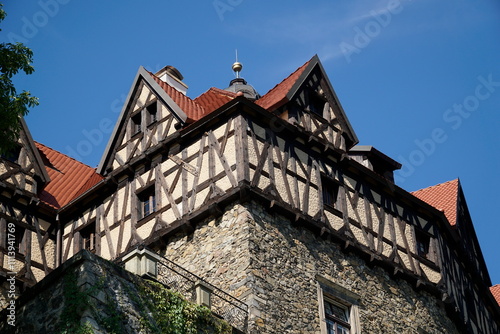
(13, 105)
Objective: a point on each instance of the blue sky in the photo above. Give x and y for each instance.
(419, 80)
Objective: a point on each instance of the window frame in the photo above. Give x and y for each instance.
(428, 254)
(422, 244)
(329, 190)
(136, 124)
(335, 320)
(315, 101)
(341, 297)
(146, 199)
(152, 113)
(88, 234)
(13, 155)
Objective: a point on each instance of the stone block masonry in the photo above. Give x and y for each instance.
(88, 294)
(275, 267)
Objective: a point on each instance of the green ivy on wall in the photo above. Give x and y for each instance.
(174, 314)
(75, 303)
(161, 310)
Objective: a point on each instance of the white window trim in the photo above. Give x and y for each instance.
(330, 290)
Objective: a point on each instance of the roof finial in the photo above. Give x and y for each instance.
(237, 66)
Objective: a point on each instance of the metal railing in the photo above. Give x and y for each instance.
(222, 304)
(176, 278)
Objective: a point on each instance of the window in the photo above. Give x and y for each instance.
(336, 317)
(147, 202)
(136, 124)
(330, 191)
(316, 102)
(423, 242)
(88, 237)
(13, 154)
(338, 308)
(151, 112)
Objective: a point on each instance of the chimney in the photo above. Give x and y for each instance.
(172, 77)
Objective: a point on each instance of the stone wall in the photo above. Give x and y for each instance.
(90, 295)
(286, 263)
(260, 258)
(217, 251)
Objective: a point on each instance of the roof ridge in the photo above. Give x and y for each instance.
(268, 100)
(300, 67)
(220, 91)
(214, 90)
(67, 156)
(178, 97)
(434, 186)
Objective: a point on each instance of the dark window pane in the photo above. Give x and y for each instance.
(423, 241)
(88, 237)
(330, 191)
(151, 109)
(13, 154)
(147, 202)
(136, 124)
(337, 318)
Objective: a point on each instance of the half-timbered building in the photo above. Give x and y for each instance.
(268, 198)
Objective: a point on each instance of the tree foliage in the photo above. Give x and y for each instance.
(13, 105)
(172, 313)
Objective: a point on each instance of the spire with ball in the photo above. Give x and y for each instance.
(239, 85)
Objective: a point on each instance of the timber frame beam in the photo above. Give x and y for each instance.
(245, 193)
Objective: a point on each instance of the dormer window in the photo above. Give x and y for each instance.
(136, 124)
(151, 112)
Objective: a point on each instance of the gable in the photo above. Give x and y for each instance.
(22, 169)
(307, 99)
(137, 128)
(449, 198)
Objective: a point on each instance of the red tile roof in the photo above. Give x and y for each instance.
(204, 104)
(68, 178)
(495, 291)
(276, 97)
(214, 98)
(443, 197)
(193, 110)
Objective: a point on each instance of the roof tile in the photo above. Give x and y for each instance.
(495, 291)
(214, 98)
(443, 197)
(69, 177)
(276, 97)
(193, 110)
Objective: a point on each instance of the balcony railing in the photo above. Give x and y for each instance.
(192, 287)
